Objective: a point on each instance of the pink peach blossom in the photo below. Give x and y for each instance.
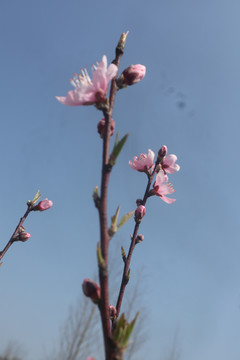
(162, 187)
(168, 164)
(143, 162)
(87, 91)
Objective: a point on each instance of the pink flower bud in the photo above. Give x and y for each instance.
(162, 152)
(90, 358)
(112, 312)
(23, 236)
(140, 212)
(92, 290)
(101, 127)
(43, 205)
(133, 74)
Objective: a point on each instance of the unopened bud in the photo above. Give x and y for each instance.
(162, 153)
(43, 205)
(139, 238)
(132, 75)
(23, 236)
(124, 257)
(101, 127)
(140, 212)
(112, 312)
(92, 290)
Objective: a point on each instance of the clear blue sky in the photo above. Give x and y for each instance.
(189, 100)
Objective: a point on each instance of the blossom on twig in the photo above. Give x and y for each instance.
(87, 91)
(43, 205)
(131, 75)
(143, 162)
(168, 164)
(162, 187)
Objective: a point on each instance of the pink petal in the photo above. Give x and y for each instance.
(150, 157)
(170, 159)
(167, 200)
(132, 164)
(73, 98)
(104, 62)
(111, 72)
(169, 164)
(165, 189)
(99, 76)
(161, 178)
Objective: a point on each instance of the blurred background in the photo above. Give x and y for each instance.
(187, 270)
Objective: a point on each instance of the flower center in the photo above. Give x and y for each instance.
(82, 79)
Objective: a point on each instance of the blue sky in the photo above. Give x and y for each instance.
(189, 101)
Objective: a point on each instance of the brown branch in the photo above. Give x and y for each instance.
(104, 237)
(14, 235)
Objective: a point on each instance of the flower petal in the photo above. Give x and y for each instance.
(167, 200)
(73, 98)
(111, 72)
(169, 165)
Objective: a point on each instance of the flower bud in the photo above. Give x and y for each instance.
(101, 127)
(112, 312)
(139, 238)
(162, 153)
(92, 290)
(140, 212)
(43, 205)
(23, 236)
(132, 75)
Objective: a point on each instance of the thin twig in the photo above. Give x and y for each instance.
(125, 277)
(13, 237)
